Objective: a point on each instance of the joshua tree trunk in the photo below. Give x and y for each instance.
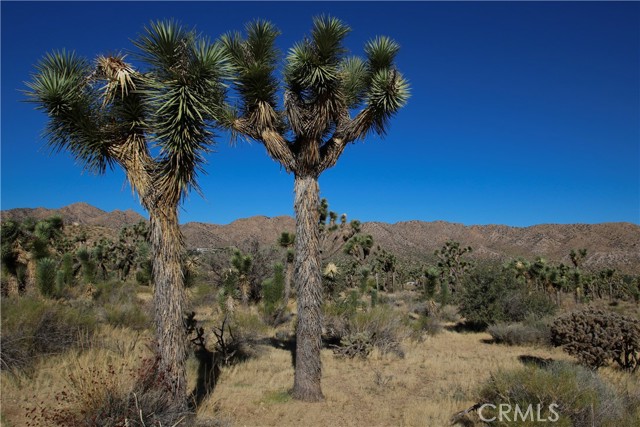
(306, 384)
(169, 296)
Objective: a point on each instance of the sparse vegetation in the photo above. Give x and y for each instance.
(95, 323)
(392, 329)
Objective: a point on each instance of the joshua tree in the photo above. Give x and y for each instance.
(577, 257)
(360, 247)
(286, 241)
(241, 270)
(333, 235)
(24, 244)
(451, 264)
(330, 101)
(107, 113)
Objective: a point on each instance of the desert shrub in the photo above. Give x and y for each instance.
(205, 293)
(143, 277)
(583, 399)
(597, 337)
(490, 297)
(426, 324)
(120, 306)
(65, 277)
(345, 307)
(272, 297)
(39, 248)
(448, 313)
(237, 337)
(113, 397)
(518, 304)
(88, 266)
(128, 314)
(337, 314)
(379, 328)
(46, 276)
(32, 328)
(531, 331)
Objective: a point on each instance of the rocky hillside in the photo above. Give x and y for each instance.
(610, 244)
(261, 228)
(80, 213)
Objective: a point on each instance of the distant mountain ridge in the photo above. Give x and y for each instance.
(614, 245)
(81, 213)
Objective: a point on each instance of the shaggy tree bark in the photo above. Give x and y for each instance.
(167, 248)
(322, 86)
(308, 281)
(169, 297)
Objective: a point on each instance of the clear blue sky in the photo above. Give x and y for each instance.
(521, 113)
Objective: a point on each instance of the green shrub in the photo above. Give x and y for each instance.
(39, 248)
(60, 283)
(88, 266)
(431, 279)
(46, 276)
(448, 313)
(518, 304)
(143, 277)
(582, 398)
(490, 297)
(596, 337)
(345, 307)
(67, 268)
(272, 295)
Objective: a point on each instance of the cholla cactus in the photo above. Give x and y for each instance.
(597, 336)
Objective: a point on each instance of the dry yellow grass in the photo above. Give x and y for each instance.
(115, 349)
(437, 378)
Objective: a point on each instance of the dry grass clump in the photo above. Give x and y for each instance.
(33, 328)
(580, 398)
(112, 382)
(531, 331)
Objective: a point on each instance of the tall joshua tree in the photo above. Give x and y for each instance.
(107, 113)
(330, 100)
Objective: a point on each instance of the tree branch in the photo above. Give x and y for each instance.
(331, 152)
(279, 149)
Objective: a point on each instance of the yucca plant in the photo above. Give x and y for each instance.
(108, 112)
(330, 100)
